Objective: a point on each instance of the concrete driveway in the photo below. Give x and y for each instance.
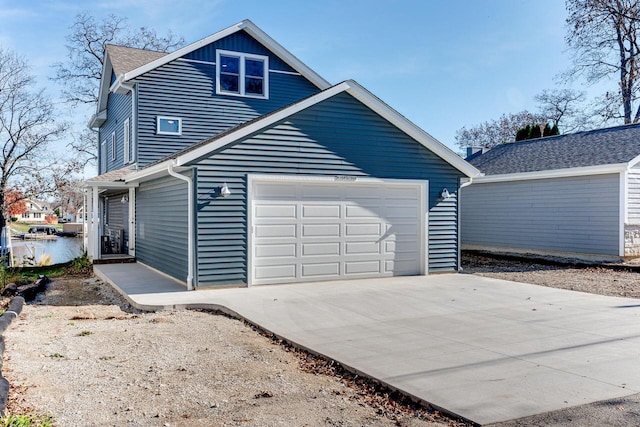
(484, 349)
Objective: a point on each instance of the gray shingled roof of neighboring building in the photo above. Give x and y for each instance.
(125, 59)
(614, 145)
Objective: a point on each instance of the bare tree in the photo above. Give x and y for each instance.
(27, 127)
(564, 108)
(80, 73)
(602, 35)
(495, 132)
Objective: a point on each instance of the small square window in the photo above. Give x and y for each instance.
(169, 126)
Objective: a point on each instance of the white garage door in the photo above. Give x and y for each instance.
(335, 228)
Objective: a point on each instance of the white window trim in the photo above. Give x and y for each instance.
(243, 57)
(113, 146)
(126, 146)
(159, 132)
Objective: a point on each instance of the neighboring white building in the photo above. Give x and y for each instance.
(37, 211)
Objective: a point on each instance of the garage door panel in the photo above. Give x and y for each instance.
(276, 231)
(362, 267)
(321, 270)
(356, 211)
(358, 248)
(325, 231)
(371, 230)
(278, 272)
(276, 211)
(275, 250)
(321, 211)
(315, 249)
(320, 230)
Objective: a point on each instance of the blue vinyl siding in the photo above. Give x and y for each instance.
(161, 226)
(238, 42)
(187, 90)
(574, 214)
(339, 136)
(119, 106)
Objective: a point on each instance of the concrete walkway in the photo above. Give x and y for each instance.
(484, 349)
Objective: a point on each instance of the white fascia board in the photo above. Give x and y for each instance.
(103, 92)
(254, 31)
(415, 132)
(634, 162)
(555, 173)
(107, 185)
(97, 120)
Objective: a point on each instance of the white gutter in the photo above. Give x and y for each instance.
(554, 173)
(467, 182)
(190, 234)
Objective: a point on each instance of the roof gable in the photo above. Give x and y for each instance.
(129, 73)
(204, 148)
(609, 146)
(124, 59)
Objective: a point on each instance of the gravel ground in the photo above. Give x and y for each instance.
(83, 356)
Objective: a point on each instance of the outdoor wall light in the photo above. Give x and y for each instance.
(220, 191)
(444, 194)
(125, 199)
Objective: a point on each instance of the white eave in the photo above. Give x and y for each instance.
(252, 30)
(554, 173)
(350, 87)
(97, 120)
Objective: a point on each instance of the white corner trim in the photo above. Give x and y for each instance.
(555, 173)
(623, 207)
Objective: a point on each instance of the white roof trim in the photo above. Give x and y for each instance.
(255, 32)
(350, 87)
(555, 173)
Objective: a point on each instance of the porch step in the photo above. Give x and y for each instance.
(115, 259)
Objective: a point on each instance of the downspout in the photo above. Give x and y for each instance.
(462, 185)
(190, 234)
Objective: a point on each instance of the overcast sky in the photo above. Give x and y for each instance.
(443, 64)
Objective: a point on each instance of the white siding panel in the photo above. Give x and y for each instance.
(578, 214)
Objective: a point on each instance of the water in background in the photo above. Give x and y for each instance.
(62, 249)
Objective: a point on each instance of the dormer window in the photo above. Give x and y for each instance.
(242, 74)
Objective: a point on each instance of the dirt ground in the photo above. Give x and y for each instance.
(83, 356)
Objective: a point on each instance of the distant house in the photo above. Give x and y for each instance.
(231, 162)
(576, 194)
(37, 212)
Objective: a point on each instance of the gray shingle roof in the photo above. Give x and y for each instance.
(125, 59)
(614, 145)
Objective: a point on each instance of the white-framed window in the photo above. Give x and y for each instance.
(168, 125)
(127, 142)
(103, 156)
(113, 146)
(242, 74)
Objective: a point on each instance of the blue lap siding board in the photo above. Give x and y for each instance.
(187, 90)
(339, 136)
(119, 111)
(161, 226)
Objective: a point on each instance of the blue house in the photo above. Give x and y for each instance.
(230, 162)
